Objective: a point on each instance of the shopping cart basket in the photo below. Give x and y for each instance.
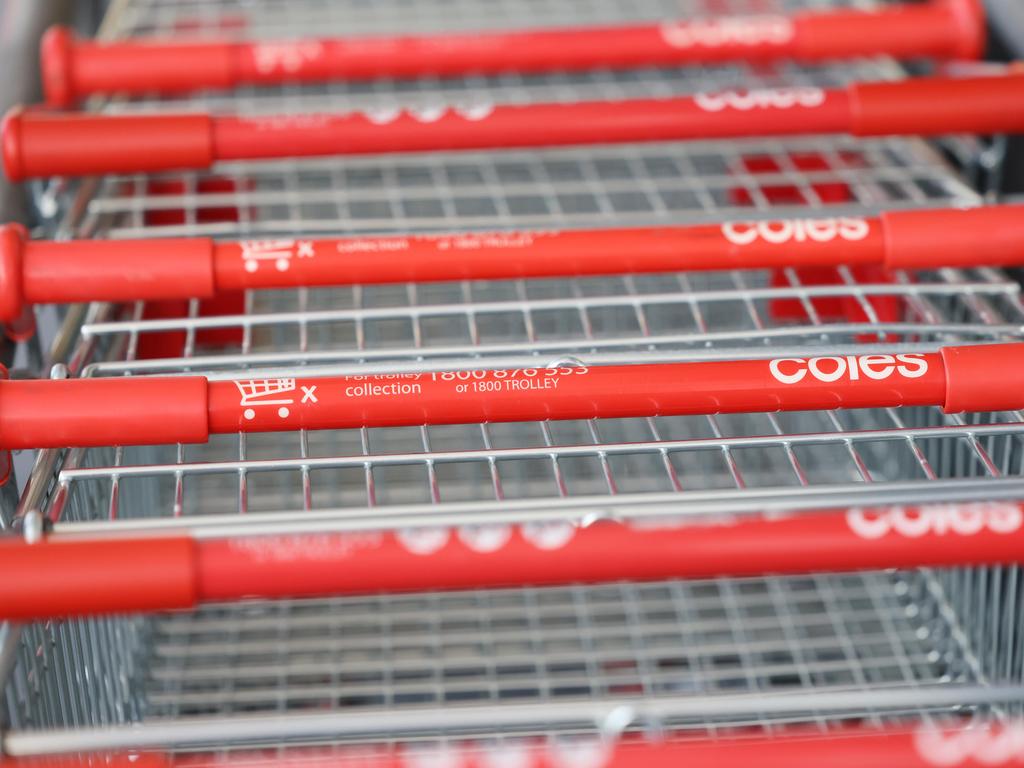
(431, 673)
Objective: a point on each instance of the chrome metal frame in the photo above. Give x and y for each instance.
(666, 656)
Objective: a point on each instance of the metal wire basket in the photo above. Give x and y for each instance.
(701, 656)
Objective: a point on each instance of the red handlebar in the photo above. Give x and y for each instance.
(39, 144)
(73, 576)
(994, 745)
(74, 69)
(129, 270)
(144, 411)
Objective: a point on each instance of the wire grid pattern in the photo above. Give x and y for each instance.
(623, 315)
(513, 88)
(728, 458)
(634, 317)
(694, 638)
(863, 631)
(281, 19)
(643, 183)
(628, 318)
(867, 631)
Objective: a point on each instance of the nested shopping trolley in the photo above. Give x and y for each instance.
(892, 636)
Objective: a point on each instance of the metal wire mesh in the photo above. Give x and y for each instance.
(637, 184)
(279, 19)
(701, 638)
(698, 638)
(867, 631)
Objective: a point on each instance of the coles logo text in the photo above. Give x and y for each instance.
(936, 520)
(761, 98)
(793, 370)
(796, 231)
(739, 30)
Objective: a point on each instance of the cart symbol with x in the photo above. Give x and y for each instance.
(263, 392)
(280, 252)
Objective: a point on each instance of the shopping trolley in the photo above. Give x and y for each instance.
(572, 667)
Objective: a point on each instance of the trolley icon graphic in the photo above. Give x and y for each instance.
(280, 252)
(257, 393)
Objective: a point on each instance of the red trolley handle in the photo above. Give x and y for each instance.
(73, 576)
(988, 745)
(187, 409)
(38, 144)
(74, 69)
(38, 272)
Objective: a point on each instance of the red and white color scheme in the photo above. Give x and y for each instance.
(187, 409)
(980, 745)
(40, 272)
(41, 144)
(67, 575)
(75, 69)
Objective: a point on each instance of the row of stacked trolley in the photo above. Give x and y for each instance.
(454, 383)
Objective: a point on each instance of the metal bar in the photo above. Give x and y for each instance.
(614, 714)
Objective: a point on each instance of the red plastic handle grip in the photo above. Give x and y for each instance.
(46, 145)
(73, 69)
(943, 29)
(144, 411)
(129, 270)
(979, 745)
(40, 144)
(933, 106)
(35, 272)
(132, 760)
(13, 238)
(90, 577)
(96, 412)
(968, 237)
(118, 270)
